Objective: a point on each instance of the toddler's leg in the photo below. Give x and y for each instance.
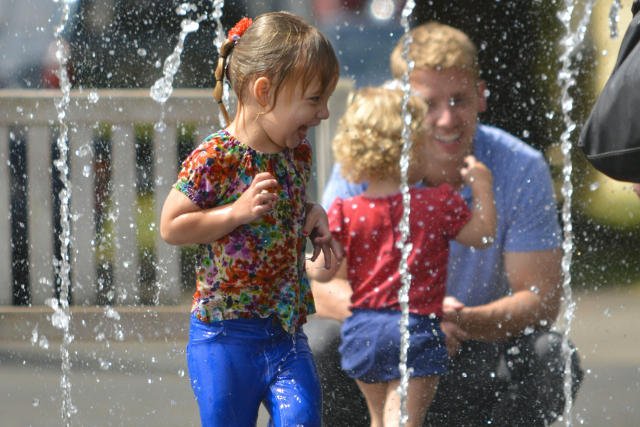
(419, 397)
(375, 394)
(294, 397)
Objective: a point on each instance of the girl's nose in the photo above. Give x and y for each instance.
(323, 113)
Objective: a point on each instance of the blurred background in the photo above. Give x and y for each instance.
(123, 44)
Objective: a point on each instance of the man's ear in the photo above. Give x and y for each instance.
(261, 89)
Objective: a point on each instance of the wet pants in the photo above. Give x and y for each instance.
(235, 365)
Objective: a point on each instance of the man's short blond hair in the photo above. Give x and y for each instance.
(436, 46)
(368, 142)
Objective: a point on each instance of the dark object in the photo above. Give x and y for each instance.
(611, 135)
(343, 405)
(519, 382)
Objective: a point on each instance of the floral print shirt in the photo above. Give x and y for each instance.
(257, 270)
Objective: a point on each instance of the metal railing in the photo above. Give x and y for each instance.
(120, 169)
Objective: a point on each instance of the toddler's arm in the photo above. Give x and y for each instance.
(183, 222)
(481, 228)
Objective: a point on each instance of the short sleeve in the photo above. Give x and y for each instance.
(456, 213)
(199, 177)
(532, 214)
(336, 220)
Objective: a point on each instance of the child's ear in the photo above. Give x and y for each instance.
(261, 90)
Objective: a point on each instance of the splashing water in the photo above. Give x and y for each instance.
(403, 294)
(62, 316)
(614, 18)
(163, 87)
(567, 79)
(218, 5)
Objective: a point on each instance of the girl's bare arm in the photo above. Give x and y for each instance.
(183, 222)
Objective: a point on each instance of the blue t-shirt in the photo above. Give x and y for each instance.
(526, 207)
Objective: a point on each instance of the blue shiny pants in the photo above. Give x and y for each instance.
(235, 365)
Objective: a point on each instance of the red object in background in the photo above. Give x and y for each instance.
(49, 76)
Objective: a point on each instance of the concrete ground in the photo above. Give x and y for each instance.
(142, 379)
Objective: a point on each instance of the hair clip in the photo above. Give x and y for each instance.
(239, 29)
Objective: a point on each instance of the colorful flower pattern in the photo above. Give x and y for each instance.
(257, 270)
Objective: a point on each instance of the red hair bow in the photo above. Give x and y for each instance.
(238, 30)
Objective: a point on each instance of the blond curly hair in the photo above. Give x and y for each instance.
(436, 46)
(368, 142)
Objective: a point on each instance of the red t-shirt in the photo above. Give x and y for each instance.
(368, 230)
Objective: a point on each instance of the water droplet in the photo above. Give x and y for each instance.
(105, 365)
(43, 342)
(34, 335)
(93, 97)
(110, 313)
(83, 150)
(184, 8)
(142, 52)
(189, 26)
(160, 126)
(594, 186)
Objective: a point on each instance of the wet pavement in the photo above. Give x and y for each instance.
(131, 371)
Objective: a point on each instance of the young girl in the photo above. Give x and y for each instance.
(367, 146)
(241, 195)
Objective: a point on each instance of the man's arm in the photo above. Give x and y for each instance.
(535, 279)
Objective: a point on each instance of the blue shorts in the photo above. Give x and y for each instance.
(234, 365)
(370, 346)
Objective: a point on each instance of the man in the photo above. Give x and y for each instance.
(505, 367)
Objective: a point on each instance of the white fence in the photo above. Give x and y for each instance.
(28, 120)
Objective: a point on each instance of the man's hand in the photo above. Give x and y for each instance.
(454, 334)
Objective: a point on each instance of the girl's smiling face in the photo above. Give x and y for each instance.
(296, 110)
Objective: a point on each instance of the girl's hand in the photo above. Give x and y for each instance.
(474, 173)
(257, 200)
(316, 226)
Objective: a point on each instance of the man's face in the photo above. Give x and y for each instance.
(455, 98)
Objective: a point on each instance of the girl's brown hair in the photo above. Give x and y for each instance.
(280, 46)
